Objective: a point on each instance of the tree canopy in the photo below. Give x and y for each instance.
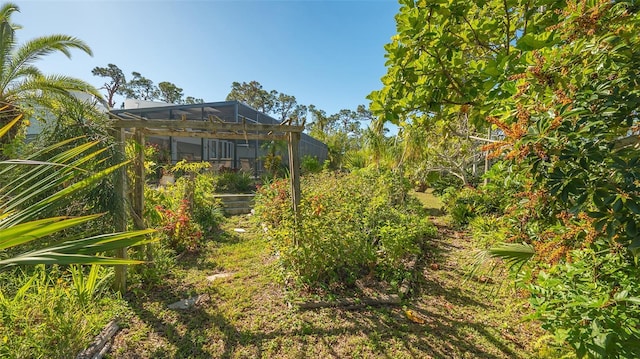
(115, 83)
(559, 81)
(140, 87)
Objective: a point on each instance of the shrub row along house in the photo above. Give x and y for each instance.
(236, 154)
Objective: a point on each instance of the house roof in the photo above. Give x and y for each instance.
(227, 111)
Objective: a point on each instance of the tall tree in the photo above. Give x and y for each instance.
(116, 81)
(450, 60)
(341, 131)
(299, 114)
(320, 122)
(284, 106)
(22, 84)
(190, 100)
(141, 88)
(253, 95)
(170, 93)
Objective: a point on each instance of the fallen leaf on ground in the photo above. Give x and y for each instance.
(414, 317)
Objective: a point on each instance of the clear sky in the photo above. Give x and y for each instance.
(326, 53)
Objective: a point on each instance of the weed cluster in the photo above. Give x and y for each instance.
(36, 319)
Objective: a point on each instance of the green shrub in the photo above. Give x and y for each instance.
(207, 210)
(350, 225)
(487, 231)
(310, 164)
(184, 212)
(233, 182)
(440, 182)
(592, 303)
(464, 205)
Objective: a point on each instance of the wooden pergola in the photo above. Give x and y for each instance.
(212, 128)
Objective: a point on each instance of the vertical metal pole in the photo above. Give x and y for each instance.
(173, 145)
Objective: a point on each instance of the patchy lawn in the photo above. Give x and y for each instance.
(245, 315)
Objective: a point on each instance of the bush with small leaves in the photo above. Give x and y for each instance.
(350, 225)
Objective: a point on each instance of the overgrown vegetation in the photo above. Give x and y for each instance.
(540, 97)
(350, 225)
(53, 312)
(551, 89)
(36, 320)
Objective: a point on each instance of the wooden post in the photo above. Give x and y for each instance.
(138, 189)
(294, 168)
(120, 185)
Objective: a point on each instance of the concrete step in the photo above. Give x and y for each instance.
(235, 211)
(236, 203)
(234, 197)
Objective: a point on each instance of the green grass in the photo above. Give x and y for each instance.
(247, 316)
(432, 203)
(48, 319)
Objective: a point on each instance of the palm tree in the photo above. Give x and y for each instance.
(23, 85)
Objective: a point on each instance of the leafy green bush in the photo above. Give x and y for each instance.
(310, 164)
(233, 182)
(486, 231)
(183, 210)
(207, 210)
(592, 303)
(440, 182)
(350, 225)
(464, 205)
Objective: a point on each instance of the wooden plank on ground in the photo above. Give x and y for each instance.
(97, 349)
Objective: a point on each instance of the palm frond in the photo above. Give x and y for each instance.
(40, 179)
(7, 41)
(24, 233)
(45, 185)
(513, 253)
(32, 89)
(35, 49)
(28, 72)
(82, 251)
(6, 10)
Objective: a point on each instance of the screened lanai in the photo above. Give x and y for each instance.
(232, 150)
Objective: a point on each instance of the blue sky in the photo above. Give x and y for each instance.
(326, 53)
